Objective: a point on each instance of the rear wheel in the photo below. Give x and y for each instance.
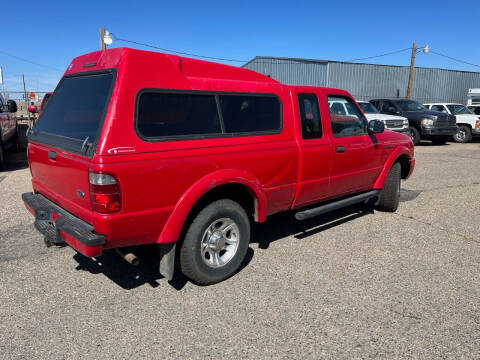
(463, 134)
(216, 242)
(390, 195)
(415, 135)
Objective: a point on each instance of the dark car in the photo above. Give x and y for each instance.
(424, 124)
(8, 126)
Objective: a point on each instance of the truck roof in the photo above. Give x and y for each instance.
(188, 67)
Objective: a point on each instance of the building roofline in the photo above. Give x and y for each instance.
(320, 61)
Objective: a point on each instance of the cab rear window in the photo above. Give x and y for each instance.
(76, 110)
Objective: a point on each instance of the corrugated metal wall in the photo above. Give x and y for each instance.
(365, 81)
(287, 71)
(368, 81)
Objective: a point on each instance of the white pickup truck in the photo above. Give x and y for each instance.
(468, 124)
(392, 122)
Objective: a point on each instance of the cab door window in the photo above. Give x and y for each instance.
(440, 108)
(310, 116)
(346, 118)
(387, 107)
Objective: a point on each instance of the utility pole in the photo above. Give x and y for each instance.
(412, 67)
(26, 101)
(3, 84)
(102, 41)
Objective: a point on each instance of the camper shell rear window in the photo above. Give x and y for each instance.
(163, 115)
(75, 113)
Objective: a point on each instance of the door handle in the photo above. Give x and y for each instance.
(52, 155)
(340, 149)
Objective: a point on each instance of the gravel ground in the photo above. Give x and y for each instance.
(352, 284)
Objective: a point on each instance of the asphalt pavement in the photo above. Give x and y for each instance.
(356, 283)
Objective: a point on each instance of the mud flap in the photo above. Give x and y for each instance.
(167, 260)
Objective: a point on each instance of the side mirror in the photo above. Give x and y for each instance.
(376, 127)
(12, 106)
(32, 109)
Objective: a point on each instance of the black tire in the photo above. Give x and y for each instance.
(463, 134)
(390, 195)
(415, 135)
(439, 140)
(194, 262)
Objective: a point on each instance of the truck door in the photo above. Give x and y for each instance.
(356, 156)
(315, 152)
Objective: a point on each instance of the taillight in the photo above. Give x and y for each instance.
(104, 193)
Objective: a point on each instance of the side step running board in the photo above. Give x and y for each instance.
(307, 214)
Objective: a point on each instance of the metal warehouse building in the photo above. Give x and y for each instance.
(369, 81)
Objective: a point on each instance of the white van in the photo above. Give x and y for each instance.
(473, 97)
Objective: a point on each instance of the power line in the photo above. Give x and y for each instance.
(236, 60)
(377, 56)
(454, 59)
(175, 51)
(31, 62)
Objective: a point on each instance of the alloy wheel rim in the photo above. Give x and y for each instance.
(461, 135)
(412, 135)
(220, 242)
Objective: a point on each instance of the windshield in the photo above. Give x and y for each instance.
(368, 108)
(457, 109)
(410, 105)
(76, 108)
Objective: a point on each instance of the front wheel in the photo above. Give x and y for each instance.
(390, 195)
(463, 134)
(216, 242)
(414, 135)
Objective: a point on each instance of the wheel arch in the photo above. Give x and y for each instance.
(402, 156)
(236, 185)
(465, 124)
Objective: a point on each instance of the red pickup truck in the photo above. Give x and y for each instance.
(138, 147)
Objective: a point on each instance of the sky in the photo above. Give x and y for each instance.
(52, 33)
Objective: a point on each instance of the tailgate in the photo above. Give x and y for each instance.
(65, 137)
(62, 177)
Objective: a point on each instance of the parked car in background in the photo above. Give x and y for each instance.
(144, 147)
(424, 124)
(392, 122)
(468, 124)
(8, 127)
